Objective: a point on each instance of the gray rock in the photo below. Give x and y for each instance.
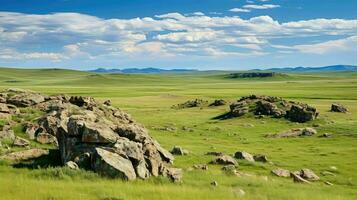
(302, 113)
(7, 134)
(281, 172)
(45, 138)
(25, 99)
(201, 166)
(309, 175)
(177, 150)
(25, 155)
(338, 108)
(112, 165)
(4, 108)
(218, 102)
(20, 142)
(308, 132)
(261, 158)
(298, 179)
(239, 109)
(244, 156)
(224, 160)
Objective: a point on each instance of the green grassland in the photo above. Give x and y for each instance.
(148, 98)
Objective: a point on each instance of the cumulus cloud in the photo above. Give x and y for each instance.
(61, 36)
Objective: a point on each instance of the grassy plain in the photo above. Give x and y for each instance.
(148, 99)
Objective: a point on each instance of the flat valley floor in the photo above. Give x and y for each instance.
(148, 98)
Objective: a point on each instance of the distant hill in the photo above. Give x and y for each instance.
(333, 68)
(148, 70)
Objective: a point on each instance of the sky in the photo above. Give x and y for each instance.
(191, 34)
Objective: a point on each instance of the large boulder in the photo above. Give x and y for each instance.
(238, 109)
(25, 98)
(302, 113)
(112, 164)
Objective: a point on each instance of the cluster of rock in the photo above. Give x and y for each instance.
(218, 102)
(191, 104)
(199, 103)
(335, 107)
(92, 135)
(252, 75)
(296, 132)
(302, 176)
(273, 106)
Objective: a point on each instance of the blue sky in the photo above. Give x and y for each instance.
(200, 34)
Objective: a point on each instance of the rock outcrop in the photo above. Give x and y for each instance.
(273, 106)
(191, 104)
(296, 132)
(335, 107)
(92, 135)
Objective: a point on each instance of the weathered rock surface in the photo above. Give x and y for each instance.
(91, 135)
(244, 156)
(309, 175)
(20, 142)
(295, 133)
(224, 160)
(338, 108)
(177, 150)
(238, 109)
(218, 102)
(25, 155)
(261, 158)
(191, 104)
(273, 106)
(281, 172)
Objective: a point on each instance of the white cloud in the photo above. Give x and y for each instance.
(239, 10)
(74, 35)
(261, 7)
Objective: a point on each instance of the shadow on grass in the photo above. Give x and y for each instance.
(45, 161)
(223, 116)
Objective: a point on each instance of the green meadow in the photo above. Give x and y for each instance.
(148, 98)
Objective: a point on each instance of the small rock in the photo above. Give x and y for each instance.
(260, 158)
(281, 172)
(224, 160)
(244, 156)
(326, 135)
(218, 102)
(214, 183)
(215, 153)
(177, 150)
(72, 165)
(309, 175)
(298, 179)
(201, 166)
(308, 131)
(20, 142)
(175, 174)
